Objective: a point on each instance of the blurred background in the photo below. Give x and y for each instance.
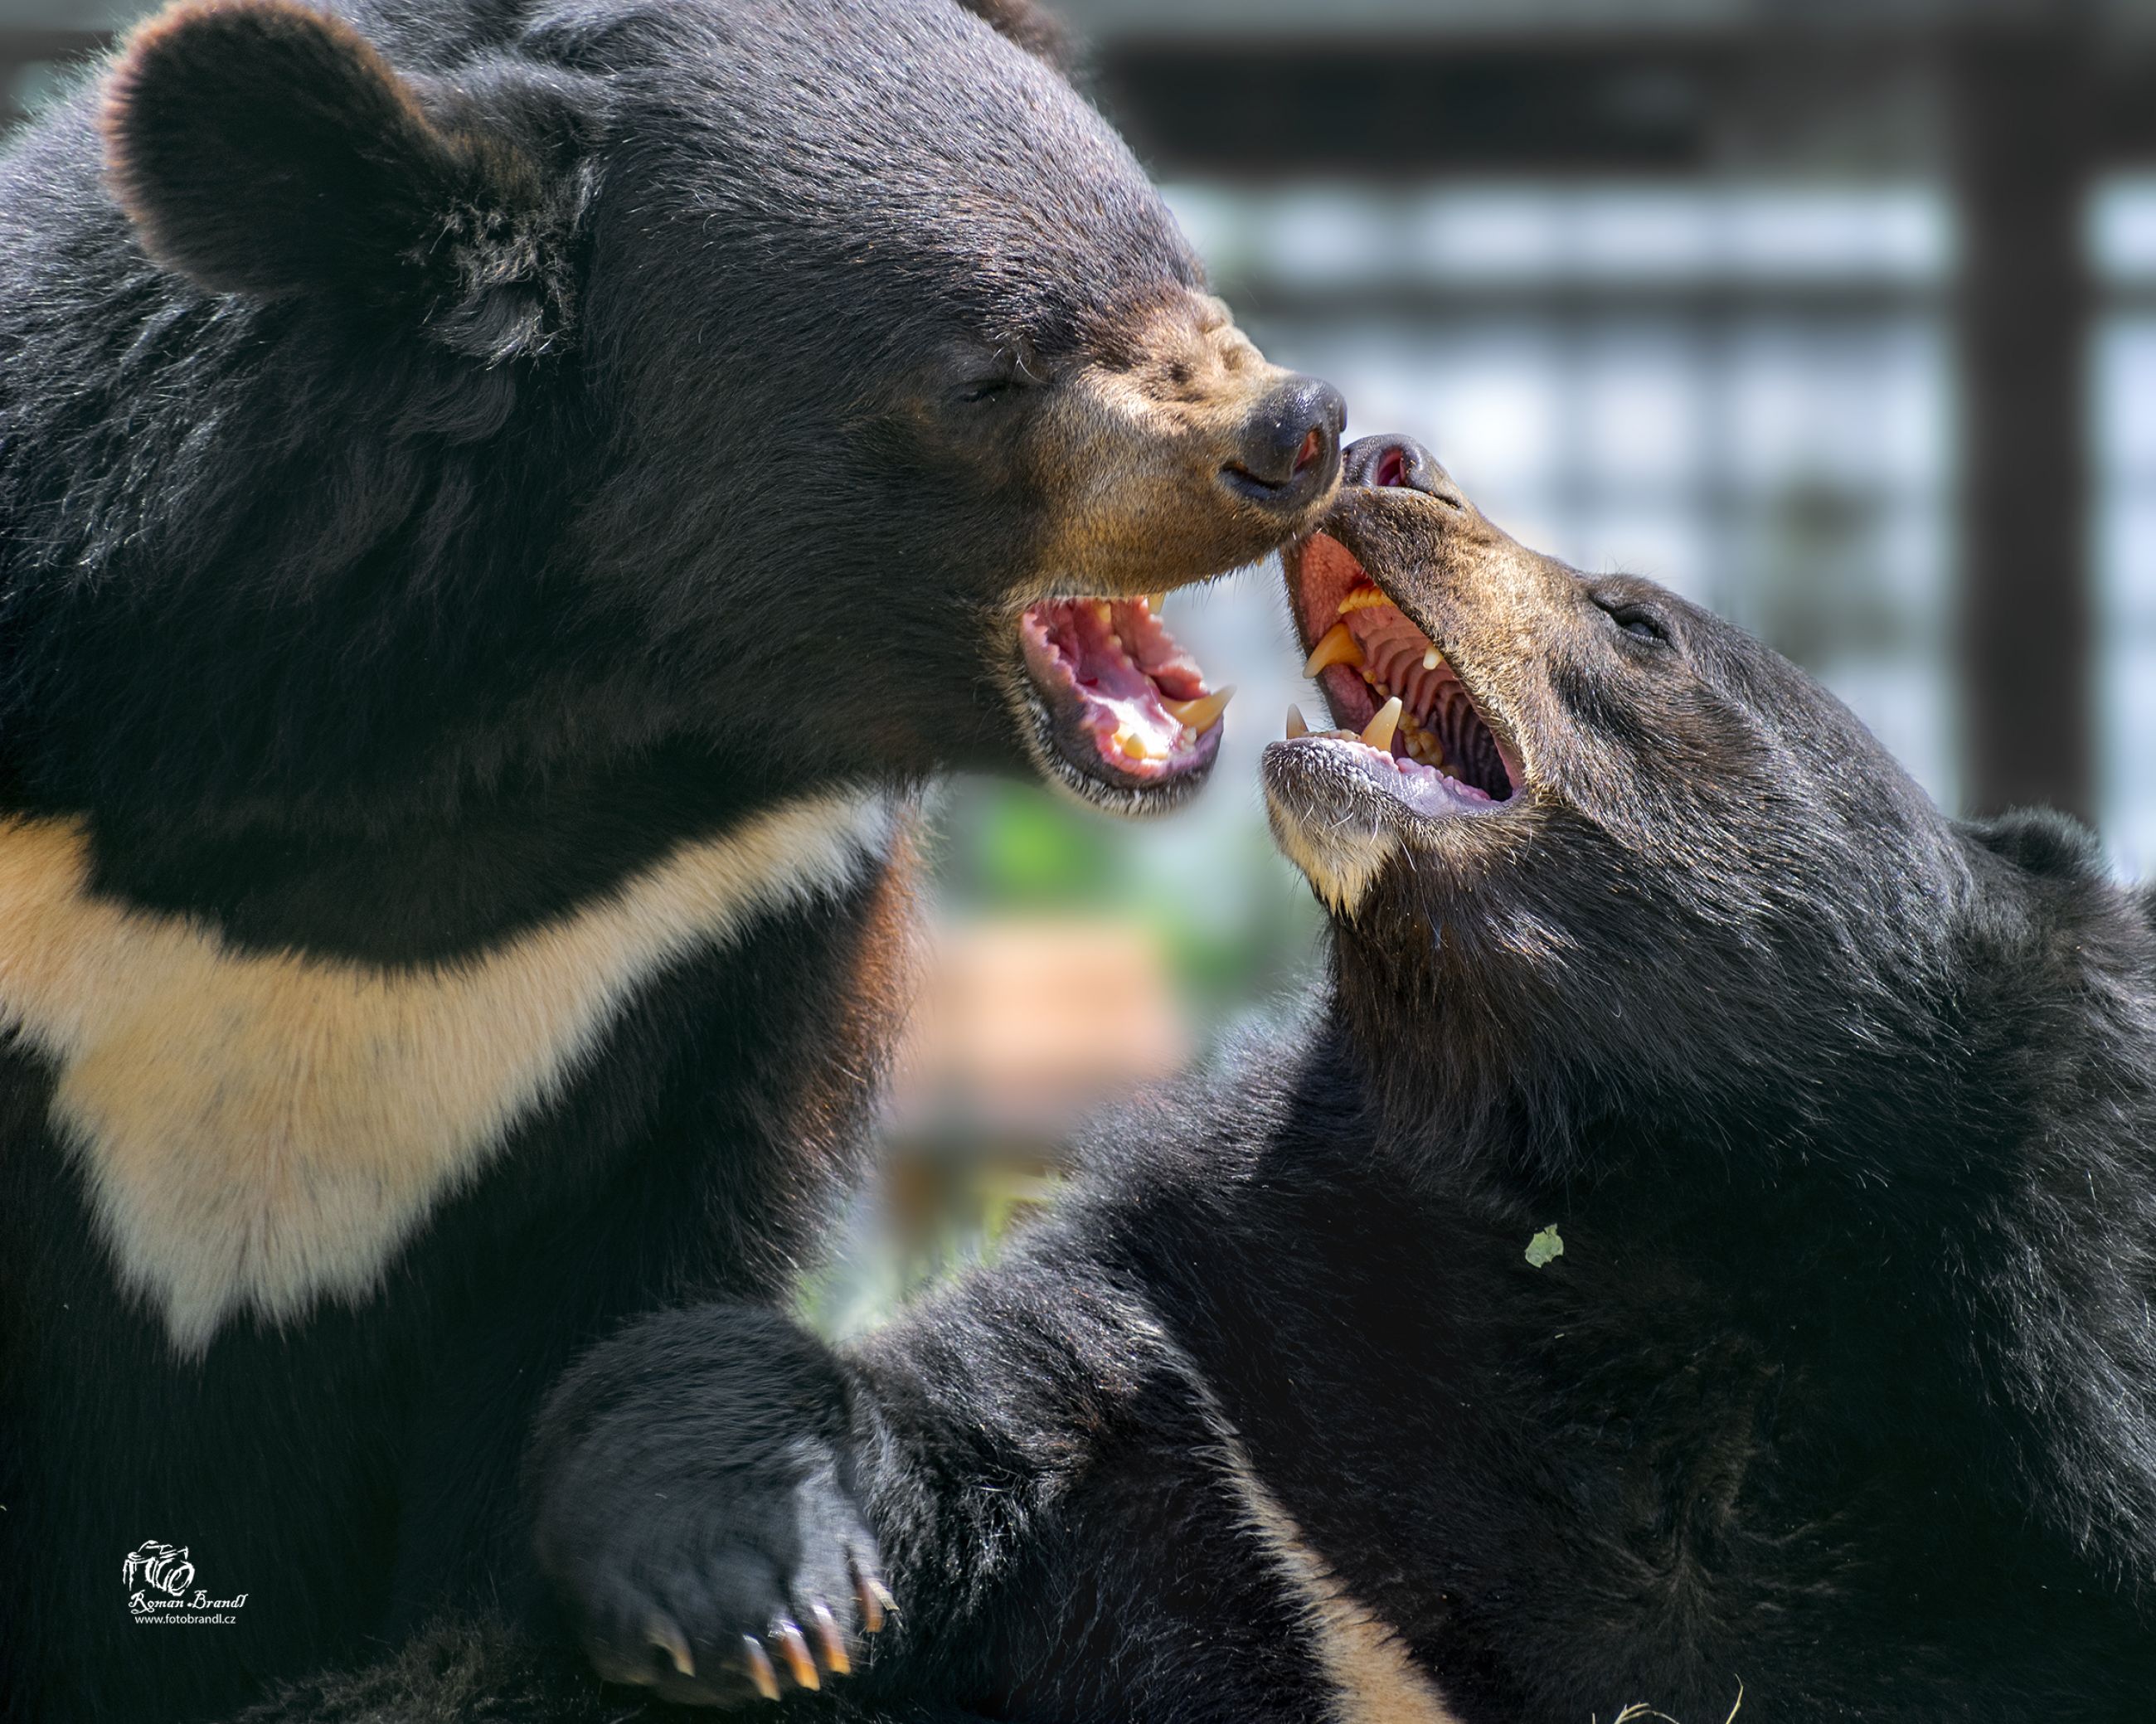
(1837, 316)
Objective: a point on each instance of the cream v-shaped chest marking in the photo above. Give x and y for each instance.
(259, 1132)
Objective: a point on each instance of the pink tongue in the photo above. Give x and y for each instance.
(1124, 668)
(1104, 665)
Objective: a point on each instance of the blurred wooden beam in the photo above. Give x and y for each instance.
(2025, 148)
(1229, 111)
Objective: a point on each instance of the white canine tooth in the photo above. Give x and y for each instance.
(1379, 733)
(1296, 726)
(1430, 660)
(1199, 714)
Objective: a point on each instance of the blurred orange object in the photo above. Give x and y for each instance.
(1024, 1023)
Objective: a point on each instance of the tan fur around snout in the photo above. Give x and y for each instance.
(1502, 614)
(1505, 617)
(1130, 452)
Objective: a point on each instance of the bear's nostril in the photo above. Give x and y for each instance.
(1288, 445)
(1404, 465)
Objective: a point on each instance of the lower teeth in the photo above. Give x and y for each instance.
(1422, 747)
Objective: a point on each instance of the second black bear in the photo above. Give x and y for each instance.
(1699, 1245)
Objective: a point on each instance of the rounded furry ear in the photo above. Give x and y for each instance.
(2043, 841)
(262, 148)
(1037, 31)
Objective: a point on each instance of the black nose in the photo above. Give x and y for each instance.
(1291, 446)
(1399, 461)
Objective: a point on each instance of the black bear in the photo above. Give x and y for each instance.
(1696, 1249)
(500, 506)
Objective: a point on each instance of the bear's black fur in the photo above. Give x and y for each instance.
(501, 503)
(1841, 1399)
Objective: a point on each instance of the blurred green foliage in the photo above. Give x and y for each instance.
(1236, 924)
(1010, 847)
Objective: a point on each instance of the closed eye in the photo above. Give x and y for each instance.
(1639, 622)
(1015, 368)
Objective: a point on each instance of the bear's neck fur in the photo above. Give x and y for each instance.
(1892, 1054)
(1909, 1173)
(433, 884)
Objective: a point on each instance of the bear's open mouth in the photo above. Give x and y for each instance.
(1124, 706)
(1394, 697)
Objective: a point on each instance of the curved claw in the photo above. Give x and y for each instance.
(875, 1601)
(758, 1664)
(795, 1649)
(665, 1633)
(829, 1642)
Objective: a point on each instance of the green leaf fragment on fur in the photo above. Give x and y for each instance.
(1544, 1247)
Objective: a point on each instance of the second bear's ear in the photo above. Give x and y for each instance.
(262, 148)
(1033, 28)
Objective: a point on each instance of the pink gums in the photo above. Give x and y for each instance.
(1113, 661)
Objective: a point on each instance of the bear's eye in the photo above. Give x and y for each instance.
(1003, 371)
(1638, 622)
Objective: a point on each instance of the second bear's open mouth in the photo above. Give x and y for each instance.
(1395, 700)
(1121, 706)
